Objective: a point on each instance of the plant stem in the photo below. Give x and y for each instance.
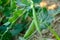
(35, 19)
(52, 31)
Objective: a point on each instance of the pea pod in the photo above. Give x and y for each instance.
(30, 30)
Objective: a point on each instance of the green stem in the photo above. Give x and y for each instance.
(35, 19)
(55, 34)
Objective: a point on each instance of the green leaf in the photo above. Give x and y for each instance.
(0, 2)
(17, 29)
(16, 14)
(30, 30)
(21, 38)
(7, 36)
(36, 1)
(20, 4)
(26, 2)
(13, 4)
(6, 24)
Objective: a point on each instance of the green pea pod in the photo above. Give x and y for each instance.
(30, 30)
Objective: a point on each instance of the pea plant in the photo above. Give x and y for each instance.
(24, 16)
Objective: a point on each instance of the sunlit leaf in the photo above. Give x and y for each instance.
(16, 14)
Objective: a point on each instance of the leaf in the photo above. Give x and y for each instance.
(21, 38)
(1, 8)
(3, 28)
(17, 29)
(16, 15)
(36, 1)
(26, 2)
(6, 24)
(30, 30)
(0, 2)
(13, 4)
(20, 4)
(44, 17)
(7, 36)
(7, 11)
(8, 1)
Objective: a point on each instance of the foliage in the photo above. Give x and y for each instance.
(15, 14)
